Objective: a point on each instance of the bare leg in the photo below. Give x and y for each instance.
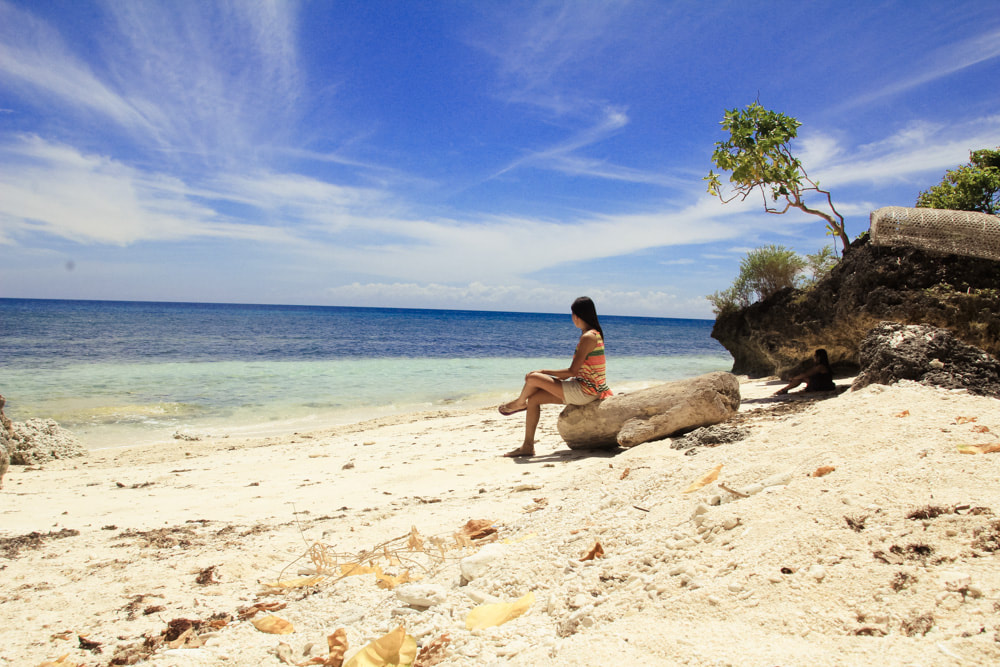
(540, 391)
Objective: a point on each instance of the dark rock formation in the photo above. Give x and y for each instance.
(627, 420)
(928, 355)
(870, 285)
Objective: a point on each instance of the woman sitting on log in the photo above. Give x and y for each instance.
(584, 381)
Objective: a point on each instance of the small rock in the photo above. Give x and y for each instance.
(421, 595)
(475, 566)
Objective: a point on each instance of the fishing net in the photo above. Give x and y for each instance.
(967, 233)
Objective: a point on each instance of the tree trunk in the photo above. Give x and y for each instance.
(627, 420)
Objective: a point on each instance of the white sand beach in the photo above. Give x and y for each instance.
(851, 531)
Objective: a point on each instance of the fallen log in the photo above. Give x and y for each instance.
(627, 420)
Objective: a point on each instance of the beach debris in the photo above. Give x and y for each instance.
(245, 613)
(979, 449)
(918, 625)
(739, 494)
(823, 470)
(625, 473)
(538, 504)
(434, 652)
(704, 480)
(10, 547)
(186, 436)
(299, 582)
(285, 654)
(965, 420)
(273, 625)
(489, 615)
(336, 643)
(929, 512)
(393, 648)
(476, 565)
(904, 413)
(183, 632)
(596, 551)
(477, 529)
(987, 538)
(61, 661)
(89, 644)
(207, 576)
(421, 596)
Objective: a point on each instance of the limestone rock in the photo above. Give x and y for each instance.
(627, 420)
(928, 355)
(869, 285)
(422, 595)
(41, 440)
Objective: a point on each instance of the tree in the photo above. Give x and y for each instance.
(758, 155)
(763, 272)
(818, 265)
(971, 187)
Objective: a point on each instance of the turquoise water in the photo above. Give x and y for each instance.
(121, 373)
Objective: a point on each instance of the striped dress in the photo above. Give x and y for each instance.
(592, 375)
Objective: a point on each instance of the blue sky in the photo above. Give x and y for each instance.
(481, 155)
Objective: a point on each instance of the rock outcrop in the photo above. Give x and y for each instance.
(40, 440)
(627, 420)
(928, 355)
(870, 285)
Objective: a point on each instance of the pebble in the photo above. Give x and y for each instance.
(421, 595)
(477, 564)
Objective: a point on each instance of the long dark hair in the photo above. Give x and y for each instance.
(585, 309)
(822, 358)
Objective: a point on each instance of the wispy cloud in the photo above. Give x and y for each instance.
(101, 200)
(938, 63)
(920, 149)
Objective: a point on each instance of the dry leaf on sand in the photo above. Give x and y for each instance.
(433, 653)
(273, 625)
(488, 615)
(904, 413)
(388, 581)
(979, 449)
(477, 529)
(964, 420)
(337, 642)
(416, 541)
(62, 661)
(285, 654)
(301, 582)
(395, 648)
(707, 478)
(823, 470)
(596, 551)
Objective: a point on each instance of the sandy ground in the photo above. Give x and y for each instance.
(890, 557)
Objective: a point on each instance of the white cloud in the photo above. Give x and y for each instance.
(936, 64)
(55, 189)
(516, 297)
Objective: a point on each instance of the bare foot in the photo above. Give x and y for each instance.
(521, 451)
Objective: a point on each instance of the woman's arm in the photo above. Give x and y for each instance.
(588, 342)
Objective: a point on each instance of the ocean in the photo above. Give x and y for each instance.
(120, 373)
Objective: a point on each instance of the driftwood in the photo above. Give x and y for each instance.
(627, 420)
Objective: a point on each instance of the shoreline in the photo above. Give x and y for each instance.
(681, 581)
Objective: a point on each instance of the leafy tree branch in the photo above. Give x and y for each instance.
(760, 159)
